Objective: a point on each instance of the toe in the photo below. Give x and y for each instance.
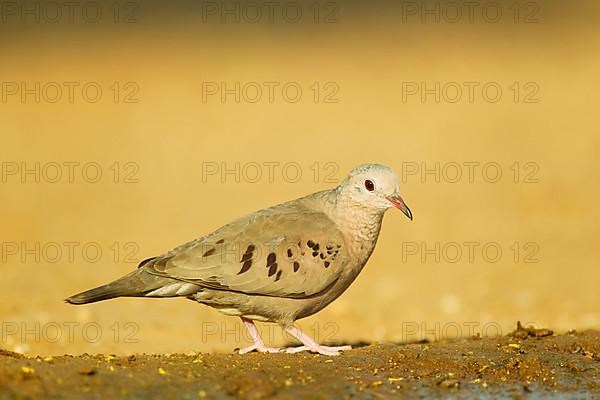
(292, 350)
(342, 348)
(327, 352)
(270, 350)
(246, 350)
(259, 349)
(331, 350)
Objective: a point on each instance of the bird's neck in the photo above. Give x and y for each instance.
(360, 225)
(361, 229)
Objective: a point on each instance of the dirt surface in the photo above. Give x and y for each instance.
(528, 364)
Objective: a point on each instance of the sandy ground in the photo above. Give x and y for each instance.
(525, 364)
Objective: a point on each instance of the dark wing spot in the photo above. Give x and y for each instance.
(316, 246)
(296, 266)
(315, 253)
(310, 243)
(271, 259)
(278, 276)
(209, 252)
(289, 253)
(322, 256)
(272, 269)
(245, 267)
(220, 241)
(329, 247)
(326, 264)
(248, 254)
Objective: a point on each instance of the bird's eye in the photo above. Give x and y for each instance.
(369, 185)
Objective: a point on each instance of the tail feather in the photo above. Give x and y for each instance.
(104, 292)
(135, 284)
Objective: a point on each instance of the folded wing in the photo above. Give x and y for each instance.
(285, 251)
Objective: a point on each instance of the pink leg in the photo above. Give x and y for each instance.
(258, 345)
(311, 345)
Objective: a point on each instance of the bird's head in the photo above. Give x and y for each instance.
(375, 187)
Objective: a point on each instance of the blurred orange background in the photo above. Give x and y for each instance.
(161, 122)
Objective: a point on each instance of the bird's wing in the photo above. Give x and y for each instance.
(284, 251)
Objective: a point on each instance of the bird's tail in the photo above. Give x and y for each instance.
(131, 285)
(104, 292)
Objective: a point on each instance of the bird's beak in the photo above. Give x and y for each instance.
(397, 201)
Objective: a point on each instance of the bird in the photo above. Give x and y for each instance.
(278, 264)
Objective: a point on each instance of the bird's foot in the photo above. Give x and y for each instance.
(324, 350)
(260, 348)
